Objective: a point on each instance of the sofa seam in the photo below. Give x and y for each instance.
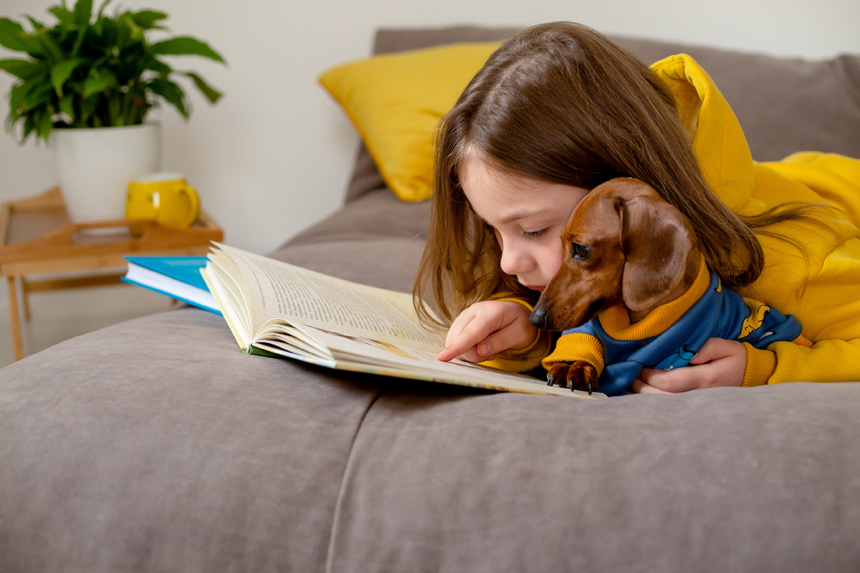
(341, 488)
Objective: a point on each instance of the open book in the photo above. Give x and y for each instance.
(279, 309)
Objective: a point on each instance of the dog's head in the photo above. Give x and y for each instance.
(623, 245)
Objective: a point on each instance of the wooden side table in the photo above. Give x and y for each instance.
(36, 237)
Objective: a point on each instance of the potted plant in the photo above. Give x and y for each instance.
(86, 86)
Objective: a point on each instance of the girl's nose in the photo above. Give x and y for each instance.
(515, 260)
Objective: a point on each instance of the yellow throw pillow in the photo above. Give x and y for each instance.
(395, 101)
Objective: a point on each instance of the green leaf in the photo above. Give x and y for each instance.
(98, 63)
(28, 94)
(17, 95)
(83, 12)
(67, 105)
(127, 31)
(61, 72)
(158, 66)
(51, 47)
(82, 32)
(19, 68)
(171, 92)
(146, 19)
(185, 46)
(211, 93)
(89, 107)
(62, 14)
(45, 124)
(36, 97)
(98, 81)
(115, 110)
(79, 41)
(13, 37)
(29, 126)
(35, 23)
(105, 28)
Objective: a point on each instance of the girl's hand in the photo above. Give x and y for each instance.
(487, 328)
(719, 363)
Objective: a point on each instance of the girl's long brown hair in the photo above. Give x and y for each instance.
(559, 102)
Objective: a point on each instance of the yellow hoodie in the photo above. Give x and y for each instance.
(819, 284)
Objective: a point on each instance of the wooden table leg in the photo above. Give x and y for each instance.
(14, 319)
(25, 297)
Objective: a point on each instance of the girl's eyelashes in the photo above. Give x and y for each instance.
(526, 234)
(535, 234)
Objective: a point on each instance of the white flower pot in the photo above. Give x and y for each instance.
(95, 166)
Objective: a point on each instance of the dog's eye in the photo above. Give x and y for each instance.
(579, 252)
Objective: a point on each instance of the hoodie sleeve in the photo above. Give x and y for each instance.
(826, 361)
(823, 292)
(816, 274)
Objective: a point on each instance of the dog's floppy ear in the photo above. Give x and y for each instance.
(656, 243)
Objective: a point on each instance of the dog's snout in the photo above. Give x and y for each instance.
(538, 317)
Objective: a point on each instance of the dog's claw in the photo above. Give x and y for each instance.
(589, 387)
(550, 380)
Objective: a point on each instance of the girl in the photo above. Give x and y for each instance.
(559, 109)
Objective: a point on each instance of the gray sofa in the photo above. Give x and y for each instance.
(155, 445)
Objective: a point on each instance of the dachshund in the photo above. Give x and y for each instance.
(628, 252)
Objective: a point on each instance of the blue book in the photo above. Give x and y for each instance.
(176, 277)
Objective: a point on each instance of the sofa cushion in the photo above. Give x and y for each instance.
(375, 215)
(156, 445)
(380, 262)
(731, 479)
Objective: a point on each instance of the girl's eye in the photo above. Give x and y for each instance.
(534, 234)
(579, 252)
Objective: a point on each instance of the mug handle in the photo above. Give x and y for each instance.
(194, 213)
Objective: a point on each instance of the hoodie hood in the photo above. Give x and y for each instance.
(718, 139)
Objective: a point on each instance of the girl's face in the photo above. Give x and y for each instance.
(527, 216)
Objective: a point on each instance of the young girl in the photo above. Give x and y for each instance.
(559, 109)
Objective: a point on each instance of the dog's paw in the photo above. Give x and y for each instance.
(577, 375)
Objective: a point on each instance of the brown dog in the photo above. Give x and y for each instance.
(625, 246)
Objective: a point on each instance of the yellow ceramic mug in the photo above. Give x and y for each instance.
(163, 197)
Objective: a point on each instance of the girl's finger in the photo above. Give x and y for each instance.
(677, 380)
(459, 324)
(715, 349)
(472, 356)
(466, 340)
(640, 387)
(453, 351)
(510, 336)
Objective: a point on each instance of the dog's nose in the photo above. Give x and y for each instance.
(538, 317)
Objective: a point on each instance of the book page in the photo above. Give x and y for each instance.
(279, 290)
(308, 316)
(372, 356)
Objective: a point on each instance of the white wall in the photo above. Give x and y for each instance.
(274, 155)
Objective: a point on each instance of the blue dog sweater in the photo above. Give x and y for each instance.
(718, 313)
